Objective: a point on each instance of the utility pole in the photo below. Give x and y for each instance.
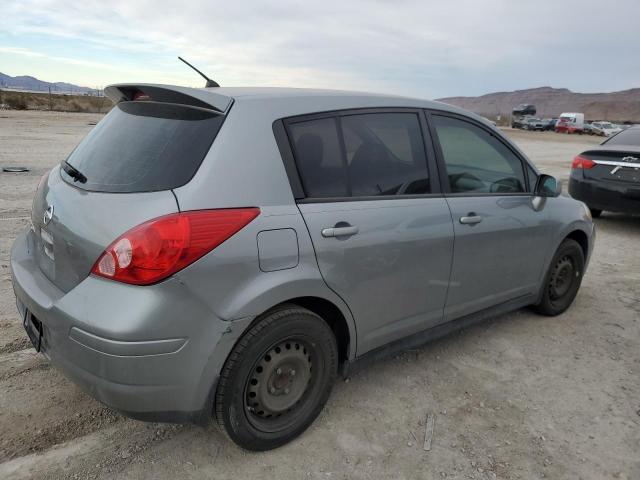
(50, 99)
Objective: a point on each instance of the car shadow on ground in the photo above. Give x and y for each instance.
(619, 220)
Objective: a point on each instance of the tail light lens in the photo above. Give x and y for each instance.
(583, 162)
(159, 248)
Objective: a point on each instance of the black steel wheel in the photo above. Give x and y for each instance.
(563, 279)
(277, 378)
(278, 382)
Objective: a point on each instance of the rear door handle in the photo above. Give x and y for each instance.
(470, 219)
(339, 231)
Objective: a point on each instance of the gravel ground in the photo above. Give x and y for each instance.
(521, 396)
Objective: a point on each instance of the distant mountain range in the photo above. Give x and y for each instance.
(551, 102)
(25, 82)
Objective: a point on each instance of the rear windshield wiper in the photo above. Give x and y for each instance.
(73, 172)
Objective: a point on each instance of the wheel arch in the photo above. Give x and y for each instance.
(577, 231)
(582, 239)
(334, 317)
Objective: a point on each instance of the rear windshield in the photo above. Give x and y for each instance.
(144, 147)
(631, 136)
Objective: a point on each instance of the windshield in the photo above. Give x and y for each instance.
(143, 147)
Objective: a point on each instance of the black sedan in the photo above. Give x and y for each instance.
(549, 124)
(607, 177)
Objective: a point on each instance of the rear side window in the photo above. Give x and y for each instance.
(144, 147)
(476, 161)
(316, 148)
(379, 154)
(385, 154)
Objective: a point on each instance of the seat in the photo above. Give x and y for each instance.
(369, 168)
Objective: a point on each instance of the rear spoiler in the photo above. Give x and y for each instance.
(170, 94)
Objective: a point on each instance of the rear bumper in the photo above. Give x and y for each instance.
(152, 353)
(602, 195)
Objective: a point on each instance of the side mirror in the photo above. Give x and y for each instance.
(548, 186)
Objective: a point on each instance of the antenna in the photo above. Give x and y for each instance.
(210, 83)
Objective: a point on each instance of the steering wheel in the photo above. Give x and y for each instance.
(463, 182)
(506, 185)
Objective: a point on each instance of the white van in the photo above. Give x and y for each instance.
(570, 123)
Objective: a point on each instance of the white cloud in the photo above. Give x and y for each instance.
(426, 48)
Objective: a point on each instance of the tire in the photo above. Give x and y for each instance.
(595, 212)
(563, 279)
(277, 378)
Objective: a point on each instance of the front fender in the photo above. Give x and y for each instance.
(567, 216)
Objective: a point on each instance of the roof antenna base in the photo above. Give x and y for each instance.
(210, 83)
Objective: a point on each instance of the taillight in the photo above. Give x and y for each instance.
(582, 162)
(159, 248)
(140, 96)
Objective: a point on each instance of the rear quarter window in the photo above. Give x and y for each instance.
(144, 147)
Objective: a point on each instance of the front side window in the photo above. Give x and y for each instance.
(476, 161)
(533, 178)
(361, 155)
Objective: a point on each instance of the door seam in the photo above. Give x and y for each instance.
(453, 254)
(315, 255)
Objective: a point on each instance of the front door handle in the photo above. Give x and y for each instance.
(470, 219)
(339, 231)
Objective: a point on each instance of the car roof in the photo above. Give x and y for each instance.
(287, 101)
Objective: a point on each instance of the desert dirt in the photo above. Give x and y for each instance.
(518, 397)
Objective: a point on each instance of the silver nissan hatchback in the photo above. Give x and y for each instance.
(228, 252)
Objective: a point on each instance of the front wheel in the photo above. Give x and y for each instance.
(563, 279)
(277, 379)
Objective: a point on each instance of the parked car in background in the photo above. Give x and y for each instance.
(213, 252)
(607, 177)
(524, 109)
(586, 128)
(519, 121)
(549, 123)
(521, 113)
(604, 129)
(534, 123)
(570, 123)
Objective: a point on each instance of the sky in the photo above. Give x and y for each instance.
(421, 48)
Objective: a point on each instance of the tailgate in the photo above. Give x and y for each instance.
(79, 225)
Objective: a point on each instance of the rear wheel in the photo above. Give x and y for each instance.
(277, 379)
(563, 279)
